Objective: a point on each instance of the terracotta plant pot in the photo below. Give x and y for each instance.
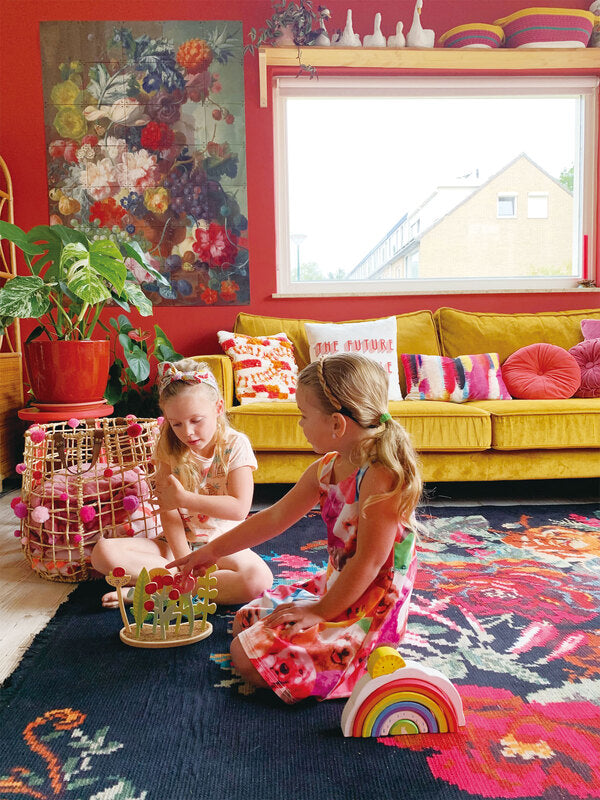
(68, 372)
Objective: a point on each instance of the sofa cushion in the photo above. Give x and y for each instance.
(432, 426)
(375, 339)
(541, 372)
(263, 367)
(543, 424)
(470, 332)
(587, 355)
(475, 377)
(590, 328)
(416, 333)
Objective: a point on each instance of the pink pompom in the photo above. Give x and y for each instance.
(20, 510)
(37, 435)
(63, 497)
(15, 501)
(73, 423)
(21, 468)
(131, 417)
(108, 473)
(130, 503)
(87, 513)
(40, 514)
(160, 420)
(134, 430)
(37, 475)
(77, 537)
(17, 533)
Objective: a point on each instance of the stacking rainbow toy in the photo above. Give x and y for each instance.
(401, 697)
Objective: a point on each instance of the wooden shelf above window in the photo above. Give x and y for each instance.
(578, 60)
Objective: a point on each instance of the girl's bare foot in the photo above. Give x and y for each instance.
(111, 599)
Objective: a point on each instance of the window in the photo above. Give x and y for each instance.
(537, 205)
(404, 184)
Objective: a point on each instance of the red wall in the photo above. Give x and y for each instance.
(192, 330)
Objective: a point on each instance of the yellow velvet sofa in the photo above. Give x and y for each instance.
(474, 441)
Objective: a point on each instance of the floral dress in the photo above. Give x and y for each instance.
(326, 660)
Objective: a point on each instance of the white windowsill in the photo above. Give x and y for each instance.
(299, 294)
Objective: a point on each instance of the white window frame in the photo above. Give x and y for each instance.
(537, 196)
(507, 195)
(474, 86)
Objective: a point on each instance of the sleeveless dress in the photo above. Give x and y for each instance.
(326, 660)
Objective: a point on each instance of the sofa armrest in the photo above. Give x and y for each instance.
(220, 366)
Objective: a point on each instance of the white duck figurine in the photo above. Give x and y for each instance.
(347, 38)
(322, 39)
(398, 39)
(377, 39)
(417, 36)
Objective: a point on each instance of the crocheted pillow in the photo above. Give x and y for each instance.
(587, 355)
(541, 372)
(457, 380)
(264, 367)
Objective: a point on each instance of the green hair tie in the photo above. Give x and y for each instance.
(384, 417)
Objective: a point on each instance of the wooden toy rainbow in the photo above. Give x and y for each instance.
(399, 697)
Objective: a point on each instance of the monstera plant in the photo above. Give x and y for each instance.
(72, 278)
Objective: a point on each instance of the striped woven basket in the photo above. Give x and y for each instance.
(473, 34)
(548, 27)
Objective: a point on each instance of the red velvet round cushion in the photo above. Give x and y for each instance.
(541, 372)
(587, 355)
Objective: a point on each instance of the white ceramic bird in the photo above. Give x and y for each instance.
(398, 39)
(347, 38)
(322, 39)
(377, 39)
(417, 36)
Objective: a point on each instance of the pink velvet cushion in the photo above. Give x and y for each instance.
(590, 328)
(587, 355)
(541, 372)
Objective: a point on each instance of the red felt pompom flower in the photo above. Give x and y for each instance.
(134, 430)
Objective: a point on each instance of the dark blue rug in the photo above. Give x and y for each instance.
(506, 604)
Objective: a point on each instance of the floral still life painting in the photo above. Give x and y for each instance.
(146, 144)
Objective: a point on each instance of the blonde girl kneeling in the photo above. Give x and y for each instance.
(204, 487)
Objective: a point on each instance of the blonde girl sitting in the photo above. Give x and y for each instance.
(204, 487)
(314, 638)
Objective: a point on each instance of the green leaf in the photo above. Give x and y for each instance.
(137, 298)
(138, 363)
(139, 598)
(106, 259)
(126, 343)
(113, 391)
(14, 234)
(133, 250)
(163, 349)
(24, 298)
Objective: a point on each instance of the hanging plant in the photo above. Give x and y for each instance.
(297, 17)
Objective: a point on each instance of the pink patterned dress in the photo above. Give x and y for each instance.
(326, 660)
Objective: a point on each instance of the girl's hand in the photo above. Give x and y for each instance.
(170, 493)
(295, 617)
(195, 563)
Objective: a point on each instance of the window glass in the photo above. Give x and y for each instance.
(410, 180)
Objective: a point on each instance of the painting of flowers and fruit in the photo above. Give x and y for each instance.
(146, 143)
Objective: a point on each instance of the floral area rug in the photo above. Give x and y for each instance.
(506, 604)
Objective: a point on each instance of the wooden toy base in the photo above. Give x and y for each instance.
(153, 638)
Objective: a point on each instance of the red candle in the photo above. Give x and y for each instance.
(584, 273)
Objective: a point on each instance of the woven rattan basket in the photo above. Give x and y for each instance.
(83, 483)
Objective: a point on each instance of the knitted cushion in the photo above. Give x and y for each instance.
(263, 368)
